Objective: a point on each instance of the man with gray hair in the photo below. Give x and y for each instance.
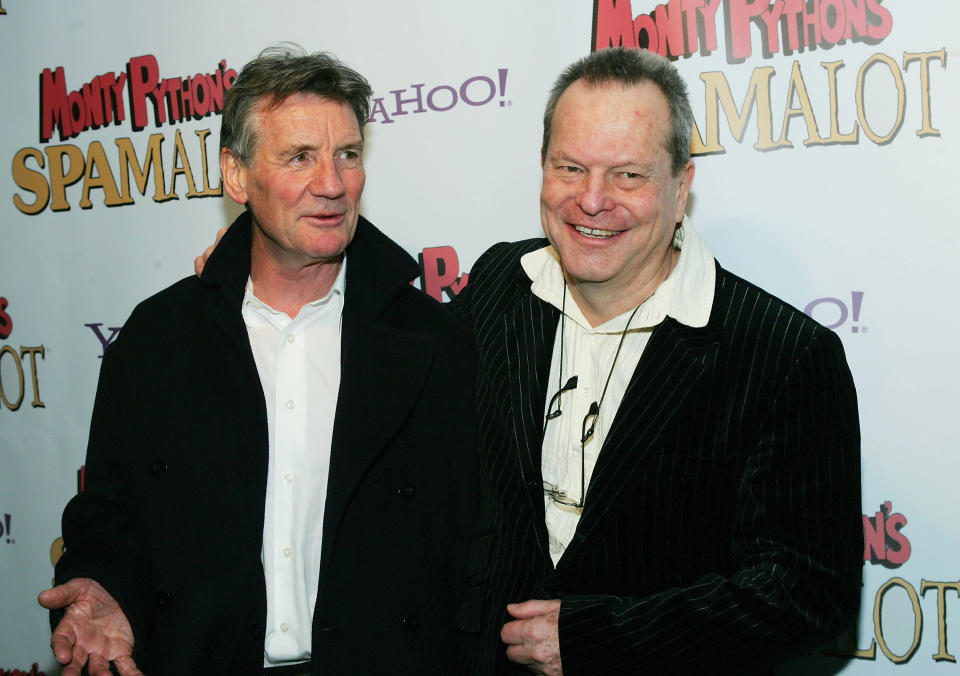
(280, 477)
(672, 453)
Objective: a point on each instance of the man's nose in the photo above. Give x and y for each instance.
(325, 181)
(595, 195)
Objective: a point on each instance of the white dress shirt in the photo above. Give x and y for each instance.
(299, 365)
(588, 353)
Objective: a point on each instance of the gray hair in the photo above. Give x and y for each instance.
(279, 72)
(630, 67)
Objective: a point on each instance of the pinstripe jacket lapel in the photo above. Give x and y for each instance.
(529, 329)
(674, 361)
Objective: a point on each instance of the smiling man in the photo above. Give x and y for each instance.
(280, 477)
(672, 453)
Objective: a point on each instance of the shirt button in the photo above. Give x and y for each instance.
(287, 552)
(288, 477)
(284, 627)
(291, 405)
(290, 338)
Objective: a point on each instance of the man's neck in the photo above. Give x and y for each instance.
(288, 288)
(601, 302)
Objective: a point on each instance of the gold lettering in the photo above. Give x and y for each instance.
(901, 98)
(104, 180)
(718, 91)
(153, 160)
(32, 180)
(16, 360)
(59, 179)
(941, 655)
(832, 649)
(207, 190)
(835, 135)
(798, 86)
(917, 619)
(56, 551)
(924, 59)
(181, 165)
(32, 351)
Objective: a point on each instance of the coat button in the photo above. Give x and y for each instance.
(407, 491)
(533, 483)
(158, 467)
(410, 622)
(163, 600)
(257, 631)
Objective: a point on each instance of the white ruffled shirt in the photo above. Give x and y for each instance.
(588, 353)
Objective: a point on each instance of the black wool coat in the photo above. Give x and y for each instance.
(171, 520)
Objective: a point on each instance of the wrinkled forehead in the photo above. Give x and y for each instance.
(640, 109)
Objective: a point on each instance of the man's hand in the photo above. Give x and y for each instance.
(533, 637)
(200, 261)
(93, 632)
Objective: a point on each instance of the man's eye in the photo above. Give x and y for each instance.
(299, 157)
(349, 155)
(569, 169)
(631, 175)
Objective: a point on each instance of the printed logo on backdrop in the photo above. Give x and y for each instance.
(18, 366)
(104, 336)
(165, 165)
(440, 273)
(836, 312)
(6, 530)
(475, 91)
(34, 670)
(886, 544)
(879, 88)
(2, 10)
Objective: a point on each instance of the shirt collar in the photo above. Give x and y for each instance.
(686, 294)
(337, 289)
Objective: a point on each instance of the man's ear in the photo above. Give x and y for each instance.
(234, 174)
(683, 189)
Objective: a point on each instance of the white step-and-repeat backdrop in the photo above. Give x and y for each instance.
(827, 135)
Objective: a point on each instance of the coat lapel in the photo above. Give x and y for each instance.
(529, 331)
(674, 361)
(382, 369)
(382, 373)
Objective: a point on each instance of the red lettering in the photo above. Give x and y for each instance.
(54, 108)
(690, 9)
(6, 323)
(144, 75)
(741, 14)
(613, 25)
(669, 19)
(874, 540)
(834, 31)
(856, 11)
(898, 556)
(882, 29)
(645, 24)
(441, 268)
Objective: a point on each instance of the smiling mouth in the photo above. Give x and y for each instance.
(594, 233)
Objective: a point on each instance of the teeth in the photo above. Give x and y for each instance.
(593, 232)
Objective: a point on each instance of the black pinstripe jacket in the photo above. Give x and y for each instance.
(722, 529)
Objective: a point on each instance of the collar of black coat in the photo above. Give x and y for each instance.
(378, 268)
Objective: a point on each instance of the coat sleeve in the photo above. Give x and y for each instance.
(797, 538)
(103, 538)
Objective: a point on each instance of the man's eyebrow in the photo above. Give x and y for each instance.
(296, 149)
